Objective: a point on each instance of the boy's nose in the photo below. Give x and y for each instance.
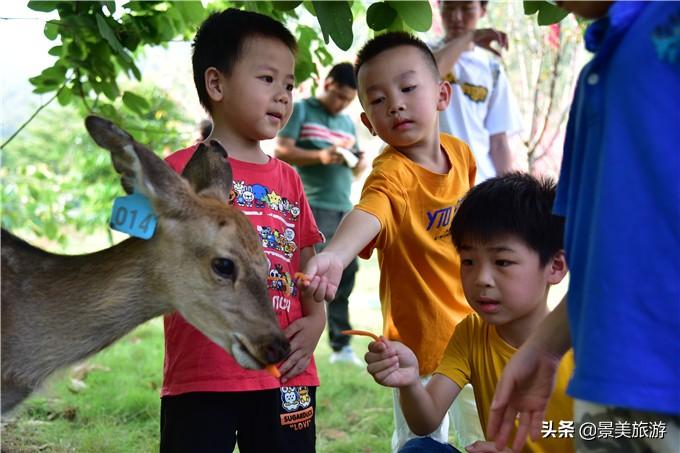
(483, 277)
(397, 107)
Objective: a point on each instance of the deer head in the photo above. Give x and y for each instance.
(212, 268)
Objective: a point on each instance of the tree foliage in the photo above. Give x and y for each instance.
(56, 176)
(97, 41)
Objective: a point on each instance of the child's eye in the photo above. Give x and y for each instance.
(466, 262)
(503, 263)
(290, 87)
(408, 89)
(267, 78)
(377, 101)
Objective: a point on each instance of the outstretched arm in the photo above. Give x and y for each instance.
(528, 381)
(393, 364)
(449, 54)
(324, 270)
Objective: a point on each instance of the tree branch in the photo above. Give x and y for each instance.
(33, 116)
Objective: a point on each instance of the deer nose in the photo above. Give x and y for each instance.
(276, 349)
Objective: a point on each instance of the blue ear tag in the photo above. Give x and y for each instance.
(133, 215)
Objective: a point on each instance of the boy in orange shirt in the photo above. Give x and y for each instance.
(406, 206)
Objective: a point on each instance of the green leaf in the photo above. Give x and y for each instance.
(65, 96)
(335, 19)
(286, 5)
(56, 51)
(193, 12)
(44, 7)
(415, 14)
(135, 102)
(110, 90)
(550, 14)
(531, 7)
(380, 16)
(108, 111)
(110, 36)
(51, 30)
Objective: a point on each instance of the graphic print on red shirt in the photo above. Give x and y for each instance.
(271, 195)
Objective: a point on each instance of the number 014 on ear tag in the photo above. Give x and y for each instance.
(133, 215)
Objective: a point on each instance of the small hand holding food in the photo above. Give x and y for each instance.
(392, 363)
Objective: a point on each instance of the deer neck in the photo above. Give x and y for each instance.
(84, 302)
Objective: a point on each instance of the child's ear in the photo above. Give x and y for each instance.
(557, 268)
(213, 79)
(367, 123)
(444, 95)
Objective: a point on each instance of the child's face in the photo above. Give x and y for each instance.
(401, 97)
(257, 95)
(337, 98)
(460, 17)
(503, 279)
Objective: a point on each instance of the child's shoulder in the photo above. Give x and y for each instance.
(459, 152)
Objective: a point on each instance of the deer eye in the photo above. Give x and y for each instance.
(224, 267)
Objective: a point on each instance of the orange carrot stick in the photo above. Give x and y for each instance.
(301, 276)
(271, 369)
(360, 332)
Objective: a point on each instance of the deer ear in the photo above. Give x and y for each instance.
(209, 172)
(140, 169)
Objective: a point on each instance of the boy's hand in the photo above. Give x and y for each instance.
(324, 272)
(483, 37)
(329, 156)
(391, 363)
(523, 392)
(303, 334)
(482, 446)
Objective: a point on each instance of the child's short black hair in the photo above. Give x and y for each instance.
(517, 204)
(343, 75)
(220, 38)
(390, 40)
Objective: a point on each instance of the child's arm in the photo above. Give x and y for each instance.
(451, 51)
(303, 333)
(393, 364)
(324, 270)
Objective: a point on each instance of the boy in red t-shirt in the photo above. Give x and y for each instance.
(243, 66)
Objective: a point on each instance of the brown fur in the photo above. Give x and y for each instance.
(59, 309)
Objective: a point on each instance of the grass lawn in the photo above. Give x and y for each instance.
(117, 410)
(118, 407)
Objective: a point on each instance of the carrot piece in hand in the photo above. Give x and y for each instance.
(302, 277)
(360, 332)
(271, 369)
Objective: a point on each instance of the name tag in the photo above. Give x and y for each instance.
(133, 215)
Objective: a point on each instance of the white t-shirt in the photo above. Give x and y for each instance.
(481, 105)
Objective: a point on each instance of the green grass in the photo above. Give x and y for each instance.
(118, 410)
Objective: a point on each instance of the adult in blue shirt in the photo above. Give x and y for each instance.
(619, 191)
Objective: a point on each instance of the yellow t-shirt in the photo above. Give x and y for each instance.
(477, 355)
(420, 291)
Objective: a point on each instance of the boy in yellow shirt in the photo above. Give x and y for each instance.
(406, 205)
(510, 247)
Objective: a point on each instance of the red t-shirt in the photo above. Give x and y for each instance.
(272, 197)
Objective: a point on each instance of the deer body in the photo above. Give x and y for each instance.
(204, 260)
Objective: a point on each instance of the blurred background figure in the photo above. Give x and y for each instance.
(321, 142)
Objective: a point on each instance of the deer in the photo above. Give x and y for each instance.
(204, 261)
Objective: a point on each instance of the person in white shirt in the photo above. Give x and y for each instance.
(482, 111)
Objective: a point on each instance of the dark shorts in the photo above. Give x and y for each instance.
(277, 420)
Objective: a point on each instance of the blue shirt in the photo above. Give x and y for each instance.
(619, 190)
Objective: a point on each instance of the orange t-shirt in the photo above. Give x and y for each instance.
(420, 291)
